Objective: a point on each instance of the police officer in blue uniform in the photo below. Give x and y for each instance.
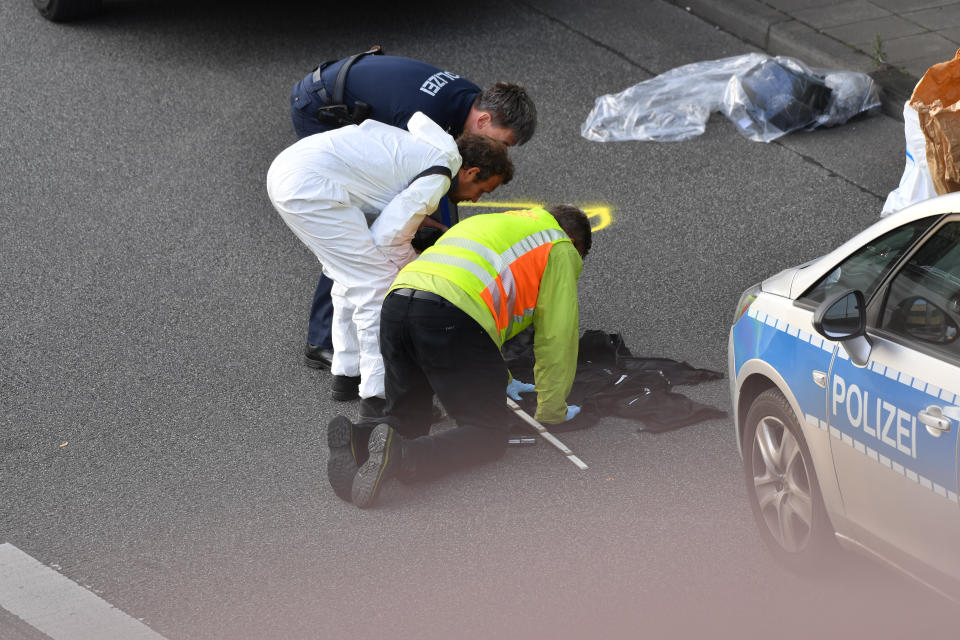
(390, 89)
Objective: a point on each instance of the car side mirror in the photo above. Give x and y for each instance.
(843, 318)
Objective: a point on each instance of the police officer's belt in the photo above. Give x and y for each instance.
(335, 112)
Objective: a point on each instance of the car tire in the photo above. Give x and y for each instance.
(782, 486)
(65, 10)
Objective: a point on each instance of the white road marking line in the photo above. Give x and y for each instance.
(59, 607)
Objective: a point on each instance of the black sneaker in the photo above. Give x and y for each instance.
(372, 409)
(345, 388)
(384, 463)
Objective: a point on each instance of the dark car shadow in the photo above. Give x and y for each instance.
(303, 16)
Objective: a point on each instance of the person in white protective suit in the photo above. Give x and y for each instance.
(328, 186)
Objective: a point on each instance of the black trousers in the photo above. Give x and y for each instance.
(429, 347)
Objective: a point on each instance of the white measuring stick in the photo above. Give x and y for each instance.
(546, 435)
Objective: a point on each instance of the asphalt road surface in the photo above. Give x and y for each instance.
(162, 445)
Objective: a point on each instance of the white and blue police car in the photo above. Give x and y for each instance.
(845, 385)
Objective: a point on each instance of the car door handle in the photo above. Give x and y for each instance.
(934, 420)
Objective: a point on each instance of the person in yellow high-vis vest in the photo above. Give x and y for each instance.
(443, 324)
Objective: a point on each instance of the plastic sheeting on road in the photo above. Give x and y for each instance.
(765, 97)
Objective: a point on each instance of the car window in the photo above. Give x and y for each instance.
(865, 269)
(923, 302)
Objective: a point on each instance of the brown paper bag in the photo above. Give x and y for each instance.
(937, 101)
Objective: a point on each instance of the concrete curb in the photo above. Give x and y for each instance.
(778, 33)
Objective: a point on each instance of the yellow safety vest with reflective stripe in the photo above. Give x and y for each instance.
(498, 259)
(507, 271)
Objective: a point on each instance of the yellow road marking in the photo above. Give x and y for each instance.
(506, 206)
(601, 215)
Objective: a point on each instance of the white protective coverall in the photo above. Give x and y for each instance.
(325, 188)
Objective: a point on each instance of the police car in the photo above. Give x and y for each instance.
(845, 382)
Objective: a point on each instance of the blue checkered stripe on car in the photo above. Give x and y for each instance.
(940, 394)
(781, 325)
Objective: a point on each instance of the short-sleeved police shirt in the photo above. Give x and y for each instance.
(395, 88)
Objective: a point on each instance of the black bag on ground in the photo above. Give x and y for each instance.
(610, 381)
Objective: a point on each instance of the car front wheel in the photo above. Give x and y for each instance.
(65, 10)
(782, 486)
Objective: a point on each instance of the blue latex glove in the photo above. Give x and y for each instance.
(572, 411)
(515, 388)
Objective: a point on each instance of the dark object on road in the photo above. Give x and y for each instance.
(66, 10)
(610, 381)
(786, 97)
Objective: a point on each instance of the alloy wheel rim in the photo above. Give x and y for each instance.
(781, 485)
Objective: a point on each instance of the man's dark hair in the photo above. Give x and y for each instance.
(575, 223)
(486, 154)
(510, 107)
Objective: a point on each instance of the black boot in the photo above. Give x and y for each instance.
(347, 444)
(372, 409)
(318, 357)
(385, 462)
(345, 388)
